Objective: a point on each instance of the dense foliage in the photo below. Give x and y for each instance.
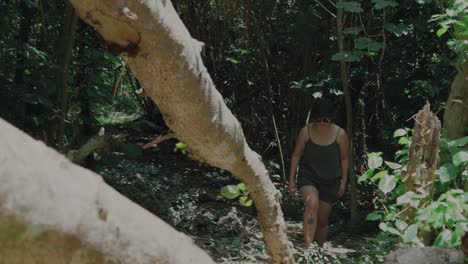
(269, 59)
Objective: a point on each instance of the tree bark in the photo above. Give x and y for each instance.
(166, 60)
(349, 115)
(64, 55)
(52, 211)
(456, 110)
(422, 164)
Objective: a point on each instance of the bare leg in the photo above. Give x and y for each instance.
(324, 211)
(311, 203)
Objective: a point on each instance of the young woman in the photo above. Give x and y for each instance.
(321, 152)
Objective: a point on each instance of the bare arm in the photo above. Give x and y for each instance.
(298, 149)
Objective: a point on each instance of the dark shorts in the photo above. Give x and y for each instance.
(328, 192)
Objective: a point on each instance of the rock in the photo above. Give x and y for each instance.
(424, 255)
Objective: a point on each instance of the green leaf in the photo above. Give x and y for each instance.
(443, 239)
(460, 157)
(411, 234)
(459, 142)
(230, 191)
(404, 141)
(441, 32)
(386, 228)
(181, 146)
(393, 166)
(447, 172)
(245, 201)
(387, 184)
(374, 162)
(233, 61)
(353, 30)
(380, 4)
(401, 225)
(397, 30)
(241, 187)
(374, 154)
(405, 198)
(366, 175)
(374, 216)
(353, 7)
(365, 43)
(347, 56)
(379, 175)
(399, 133)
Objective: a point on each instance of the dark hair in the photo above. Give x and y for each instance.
(322, 108)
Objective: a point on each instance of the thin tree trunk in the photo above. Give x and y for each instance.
(166, 60)
(349, 115)
(64, 55)
(456, 110)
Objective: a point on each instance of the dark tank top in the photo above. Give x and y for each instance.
(322, 163)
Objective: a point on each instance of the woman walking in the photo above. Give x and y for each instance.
(321, 152)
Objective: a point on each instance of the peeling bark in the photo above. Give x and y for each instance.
(166, 60)
(52, 211)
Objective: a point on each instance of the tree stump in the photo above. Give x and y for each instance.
(422, 162)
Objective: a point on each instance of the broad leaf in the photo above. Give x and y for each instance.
(374, 162)
(386, 228)
(397, 30)
(405, 198)
(443, 239)
(399, 133)
(374, 216)
(230, 191)
(379, 175)
(241, 186)
(459, 142)
(387, 184)
(447, 172)
(404, 141)
(364, 43)
(393, 166)
(353, 7)
(401, 225)
(460, 157)
(366, 175)
(411, 234)
(347, 56)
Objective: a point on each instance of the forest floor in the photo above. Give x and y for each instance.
(186, 194)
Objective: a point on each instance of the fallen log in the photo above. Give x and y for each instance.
(53, 211)
(96, 142)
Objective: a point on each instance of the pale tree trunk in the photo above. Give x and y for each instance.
(456, 109)
(166, 60)
(55, 212)
(64, 55)
(349, 115)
